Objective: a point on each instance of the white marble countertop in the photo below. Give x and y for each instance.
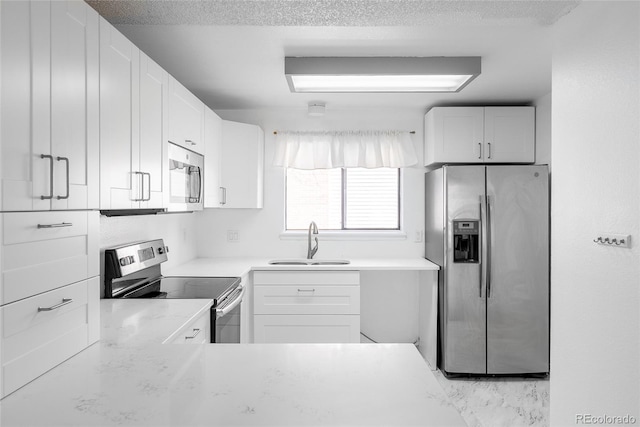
(129, 378)
(238, 266)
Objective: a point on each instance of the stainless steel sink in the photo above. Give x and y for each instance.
(305, 261)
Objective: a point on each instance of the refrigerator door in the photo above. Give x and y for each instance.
(463, 305)
(518, 280)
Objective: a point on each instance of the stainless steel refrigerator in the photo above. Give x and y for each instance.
(487, 227)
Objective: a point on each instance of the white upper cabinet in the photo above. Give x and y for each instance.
(212, 159)
(134, 122)
(153, 164)
(242, 169)
(120, 188)
(479, 135)
(186, 117)
(49, 141)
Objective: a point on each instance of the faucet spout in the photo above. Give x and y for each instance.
(311, 251)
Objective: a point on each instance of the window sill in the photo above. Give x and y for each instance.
(347, 235)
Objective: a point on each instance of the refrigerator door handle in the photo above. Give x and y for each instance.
(481, 245)
(488, 253)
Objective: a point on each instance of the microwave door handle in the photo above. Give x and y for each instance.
(221, 312)
(195, 175)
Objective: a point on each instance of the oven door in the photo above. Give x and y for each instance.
(225, 318)
(186, 175)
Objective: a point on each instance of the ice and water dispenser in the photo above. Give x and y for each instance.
(466, 241)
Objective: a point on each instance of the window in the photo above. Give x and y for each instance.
(343, 199)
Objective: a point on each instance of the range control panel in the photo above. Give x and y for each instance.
(134, 257)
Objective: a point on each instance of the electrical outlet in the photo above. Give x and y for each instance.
(233, 236)
(418, 236)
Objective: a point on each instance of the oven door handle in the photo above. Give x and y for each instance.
(220, 312)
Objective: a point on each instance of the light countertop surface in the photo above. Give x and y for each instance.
(130, 378)
(238, 266)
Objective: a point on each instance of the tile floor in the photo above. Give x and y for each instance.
(499, 402)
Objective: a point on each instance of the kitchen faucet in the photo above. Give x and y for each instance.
(313, 228)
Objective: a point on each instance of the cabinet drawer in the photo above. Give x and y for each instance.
(306, 277)
(35, 340)
(307, 329)
(307, 299)
(196, 332)
(41, 251)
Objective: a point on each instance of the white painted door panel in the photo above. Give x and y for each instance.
(36, 260)
(186, 117)
(75, 104)
(119, 99)
(34, 341)
(307, 329)
(307, 299)
(212, 159)
(509, 134)
(154, 90)
(25, 105)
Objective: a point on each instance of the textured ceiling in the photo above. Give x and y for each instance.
(329, 12)
(230, 53)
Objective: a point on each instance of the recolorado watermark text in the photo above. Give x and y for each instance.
(605, 419)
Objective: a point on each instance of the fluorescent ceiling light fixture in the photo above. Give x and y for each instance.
(380, 74)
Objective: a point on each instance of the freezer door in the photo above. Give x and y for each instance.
(463, 316)
(518, 284)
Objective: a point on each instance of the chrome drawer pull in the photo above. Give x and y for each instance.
(306, 290)
(65, 301)
(62, 224)
(66, 160)
(50, 196)
(195, 334)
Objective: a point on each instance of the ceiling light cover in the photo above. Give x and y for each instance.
(380, 74)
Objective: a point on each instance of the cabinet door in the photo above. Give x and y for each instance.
(196, 332)
(74, 105)
(509, 134)
(212, 159)
(25, 109)
(154, 90)
(307, 328)
(120, 188)
(186, 117)
(242, 165)
(34, 340)
(454, 135)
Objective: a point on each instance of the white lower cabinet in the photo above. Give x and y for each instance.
(40, 332)
(196, 332)
(49, 291)
(306, 306)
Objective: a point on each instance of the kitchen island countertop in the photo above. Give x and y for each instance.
(130, 378)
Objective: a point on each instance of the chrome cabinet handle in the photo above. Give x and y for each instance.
(50, 196)
(190, 142)
(66, 160)
(65, 301)
(60, 225)
(488, 150)
(306, 290)
(195, 334)
(479, 150)
(140, 176)
(224, 195)
(148, 189)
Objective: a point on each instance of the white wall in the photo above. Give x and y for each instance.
(595, 188)
(543, 130)
(259, 230)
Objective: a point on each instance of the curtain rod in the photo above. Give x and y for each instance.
(276, 132)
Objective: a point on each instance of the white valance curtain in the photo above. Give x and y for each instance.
(346, 149)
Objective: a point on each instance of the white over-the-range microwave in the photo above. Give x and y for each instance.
(186, 175)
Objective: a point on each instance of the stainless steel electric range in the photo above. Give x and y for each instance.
(133, 271)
